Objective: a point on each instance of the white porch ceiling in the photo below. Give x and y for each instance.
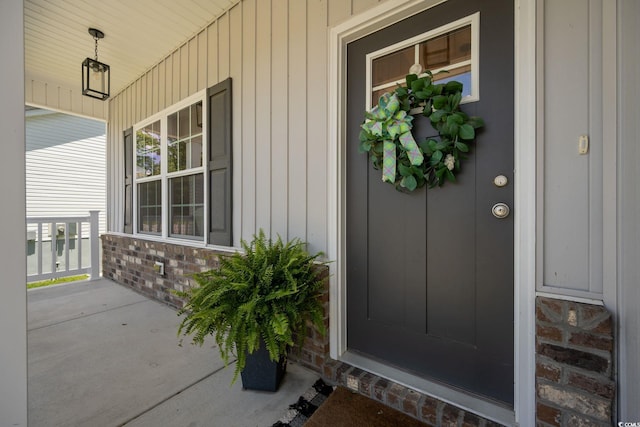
(138, 34)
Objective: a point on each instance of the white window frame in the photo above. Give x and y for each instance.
(473, 20)
(165, 176)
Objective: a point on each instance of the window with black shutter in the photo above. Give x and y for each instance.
(182, 157)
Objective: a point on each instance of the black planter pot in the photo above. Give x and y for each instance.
(261, 373)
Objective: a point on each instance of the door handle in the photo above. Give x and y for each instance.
(500, 210)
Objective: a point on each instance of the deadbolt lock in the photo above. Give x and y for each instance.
(500, 210)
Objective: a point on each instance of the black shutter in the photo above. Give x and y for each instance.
(128, 181)
(220, 162)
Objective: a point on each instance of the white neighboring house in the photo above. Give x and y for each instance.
(65, 173)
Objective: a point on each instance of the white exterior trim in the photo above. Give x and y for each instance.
(628, 210)
(525, 210)
(610, 156)
(524, 196)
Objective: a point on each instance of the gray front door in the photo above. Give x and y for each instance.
(430, 273)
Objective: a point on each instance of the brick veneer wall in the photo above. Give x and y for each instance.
(130, 261)
(314, 354)
(574, 364)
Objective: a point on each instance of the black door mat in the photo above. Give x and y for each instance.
(345, 408)
(301, 411)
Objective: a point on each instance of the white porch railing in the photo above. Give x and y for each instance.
(62, 234)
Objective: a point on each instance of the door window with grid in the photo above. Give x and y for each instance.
(449, 52)
(174, 150)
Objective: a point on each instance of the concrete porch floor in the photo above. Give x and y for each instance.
(102, 355)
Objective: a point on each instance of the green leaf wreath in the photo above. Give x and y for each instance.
(386, 133)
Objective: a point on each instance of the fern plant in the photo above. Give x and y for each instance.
(268, 293)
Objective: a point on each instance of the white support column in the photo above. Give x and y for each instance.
(95, 245)
(628, 276)
(13, 262)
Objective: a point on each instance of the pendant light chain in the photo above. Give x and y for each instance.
(96, 39)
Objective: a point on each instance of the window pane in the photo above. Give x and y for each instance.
(148, 158)
(196, 118)
(461, 74)
(187, 207)
(376, 94)
(150, 207)
(172, 128)
(447, 49)
(185, 151)
(392, 67)
(177, 156)
(199, 190)
(173, 152)
(182, 155)
(183, 123)
(195, 156)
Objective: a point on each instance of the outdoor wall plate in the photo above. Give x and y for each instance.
(583, 144)
(159, 268)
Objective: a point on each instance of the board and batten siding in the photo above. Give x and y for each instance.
(65, 165)
(275, 51)
(577, 95)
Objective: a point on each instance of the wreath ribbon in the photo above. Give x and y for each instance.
(388, 121)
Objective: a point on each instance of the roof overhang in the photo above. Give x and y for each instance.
(138, 35)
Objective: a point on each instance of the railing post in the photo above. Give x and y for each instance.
(39, 247)
(95, 246)
(54, 248)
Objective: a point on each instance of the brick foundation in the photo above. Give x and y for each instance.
(574, 344)
(130, 261)
(574, 364)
